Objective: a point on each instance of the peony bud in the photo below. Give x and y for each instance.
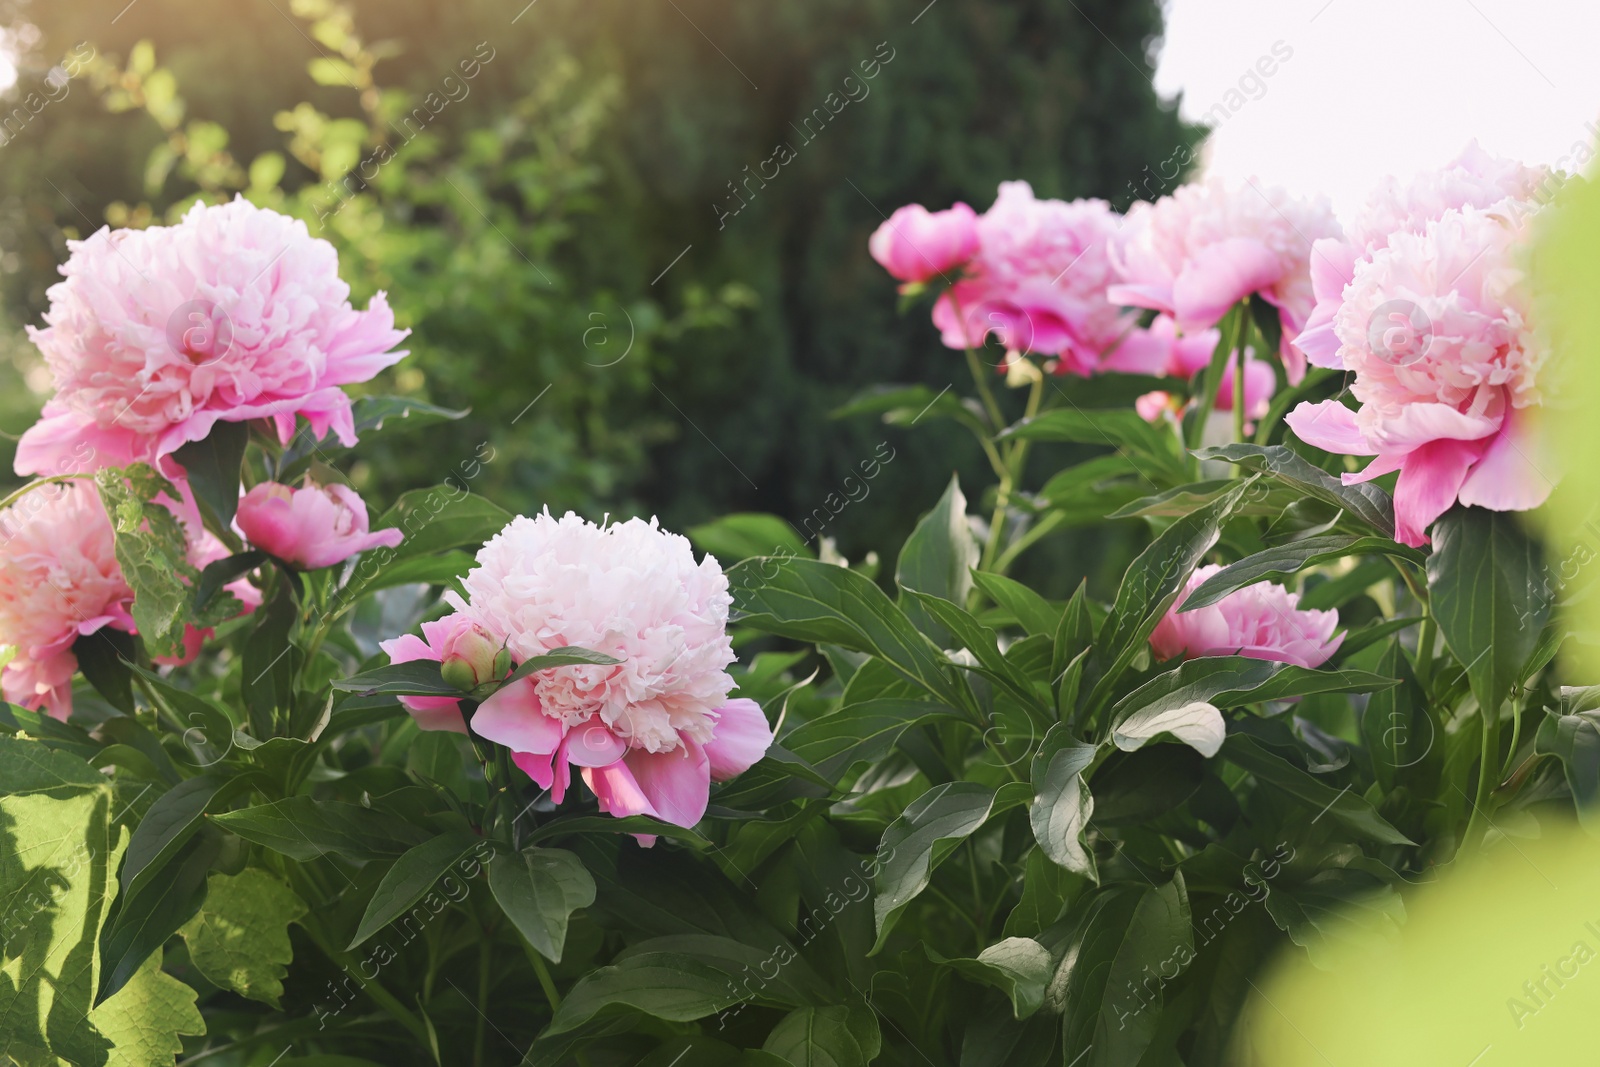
(917, 245)
(471, 657)
(312, 527)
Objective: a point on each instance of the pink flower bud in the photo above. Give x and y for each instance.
(313, 527)
(471, 657)
(916, 244)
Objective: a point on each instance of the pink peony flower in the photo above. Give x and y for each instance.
(1436, 328)
(59, 579)
(1038, 282)
(649, 734)
(312, 527)
(1261, 621)
(1206, 247)
(916, 245)
(1474, 179)
(438, 636)
(234, 314)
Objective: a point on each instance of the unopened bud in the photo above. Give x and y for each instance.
(471, 657)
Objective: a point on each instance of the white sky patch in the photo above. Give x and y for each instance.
(1376, 87)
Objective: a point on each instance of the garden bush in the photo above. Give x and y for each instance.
(284, 781)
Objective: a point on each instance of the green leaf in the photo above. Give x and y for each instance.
(938, 557)
(822, 603)
(1232, 681)
(303, 829)
(143, 921)
(414, 678)
(665, 985)
(838, 1035)
(103, 657)
(1062, 804)
(152, 552)
(1118, 427)
(218, 574)
(859, 732)
(539, 889)
(28, 768)
(374, 416)
(1154, 581)
(1363, 500)
(212, 468)
(982, 642)
(1290, 559)
(746, 535)
(1019, 967)
(440, 518)
(175, 817)
(146, 1018)
(270, 664)
(56, 887)
(1491, 596)
(1198, 725)
(1575, 739)
(1395, 724)
(1341, 805)
(565, 656)
(1123, 935)
(1033, 612)
(411, 877)
(919, 840)
(1334, 908)
(240, 938)
(906, 405)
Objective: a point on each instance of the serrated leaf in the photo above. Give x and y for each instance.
(146, 1019)
(240, 938)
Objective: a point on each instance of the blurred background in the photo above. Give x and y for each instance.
(630, 235)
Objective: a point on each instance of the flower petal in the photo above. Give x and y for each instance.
(742, 736)
(514, 717)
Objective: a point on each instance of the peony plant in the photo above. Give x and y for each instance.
(287, 776)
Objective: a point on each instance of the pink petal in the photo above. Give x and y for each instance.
(1218, 277)
(742, 737)
(1507, 477)
(1155, 297)
(617, 790)
(592, 744)
(677, 783)
(1419, 424)
(1429, 481)
(514, 717)
(1330, 426)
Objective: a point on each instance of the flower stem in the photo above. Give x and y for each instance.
(36, 484)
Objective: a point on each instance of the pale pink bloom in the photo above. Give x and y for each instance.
(1260, 621)
(916, 245)
(59, 579)
(1159, 350)
(1038, 282)
(1200, 251)
(1448, 408)
(431, 713)
(312, 527)
(234, 314)
(1474, 179)
(650, 733)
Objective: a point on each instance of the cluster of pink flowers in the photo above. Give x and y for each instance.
(648, 734)
(1422, 301)
(1260, 621)
(235, 314)
(1062, 280)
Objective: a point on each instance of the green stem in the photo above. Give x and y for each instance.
(986, 394)
(1037, 533)
(1212, 377)
(485, 949)
(380, 996)
(1016, 459)
(1238, 380)
(1425, 641)
(38, 483)
(1488, 764)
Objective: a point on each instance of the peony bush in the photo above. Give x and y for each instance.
(288, 776)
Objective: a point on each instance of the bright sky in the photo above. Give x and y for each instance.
(1375, 87)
